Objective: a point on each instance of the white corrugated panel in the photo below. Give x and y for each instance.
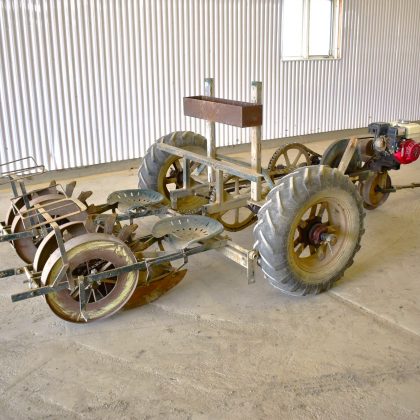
(90, 81)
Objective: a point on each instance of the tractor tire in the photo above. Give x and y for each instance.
(297, 226)
(156, 164)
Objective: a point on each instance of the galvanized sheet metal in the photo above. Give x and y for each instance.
(91, 81)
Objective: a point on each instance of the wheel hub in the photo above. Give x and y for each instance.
(317, 232)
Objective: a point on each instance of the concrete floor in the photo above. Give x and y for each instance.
(214, 347)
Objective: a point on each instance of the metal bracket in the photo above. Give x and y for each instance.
(40, 291)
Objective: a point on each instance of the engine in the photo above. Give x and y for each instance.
(391, 147)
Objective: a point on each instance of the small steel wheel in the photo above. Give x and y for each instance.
(239, 218)
(309, 230)
(372, 197)
(87, 254)
(287, 158)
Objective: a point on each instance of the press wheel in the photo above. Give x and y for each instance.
(86, 254)
(372, 198)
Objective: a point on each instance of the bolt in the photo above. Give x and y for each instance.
(329, 238)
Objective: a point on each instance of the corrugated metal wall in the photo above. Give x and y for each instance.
(91, 81)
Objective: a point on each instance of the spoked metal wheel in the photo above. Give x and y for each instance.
(238, 218)
(321, 234)
(309, 230)
(287, 158)
(88, 254)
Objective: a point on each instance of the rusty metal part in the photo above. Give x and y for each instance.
(127, 232)
(103, 223)
(370, 190)
(69, 189)
(147, 293)
(26, 248)
(49, 243)
(316, 233)
(154, 282)
(237, 218)
(83, 196)
(88, 254)
(19, 202)
(365, 148)
(288, 158)
(225, 111)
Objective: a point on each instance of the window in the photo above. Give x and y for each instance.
(311, 29)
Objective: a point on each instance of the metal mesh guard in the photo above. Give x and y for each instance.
(134, 199)
(183, 231)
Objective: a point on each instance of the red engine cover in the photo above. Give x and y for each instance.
(409, 152)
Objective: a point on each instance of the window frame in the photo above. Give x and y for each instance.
(335, 35)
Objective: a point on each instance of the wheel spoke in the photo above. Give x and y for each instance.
(97, 292)
(322, 208)
(300, 249)
(170, 180)
(177, 165)
(321, 252)
(312, 249)
(194, 166)
(286, 158)
(313, 211)
(236, 216)
(296, 160)
(88, 295)
(75, 293)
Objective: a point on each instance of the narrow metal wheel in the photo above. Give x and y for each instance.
(369, 190)
(88, 254)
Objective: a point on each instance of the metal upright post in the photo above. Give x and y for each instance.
(210, 130)
(256, 97)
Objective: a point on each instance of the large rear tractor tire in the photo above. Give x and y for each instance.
(162, 172)
(309, 230)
